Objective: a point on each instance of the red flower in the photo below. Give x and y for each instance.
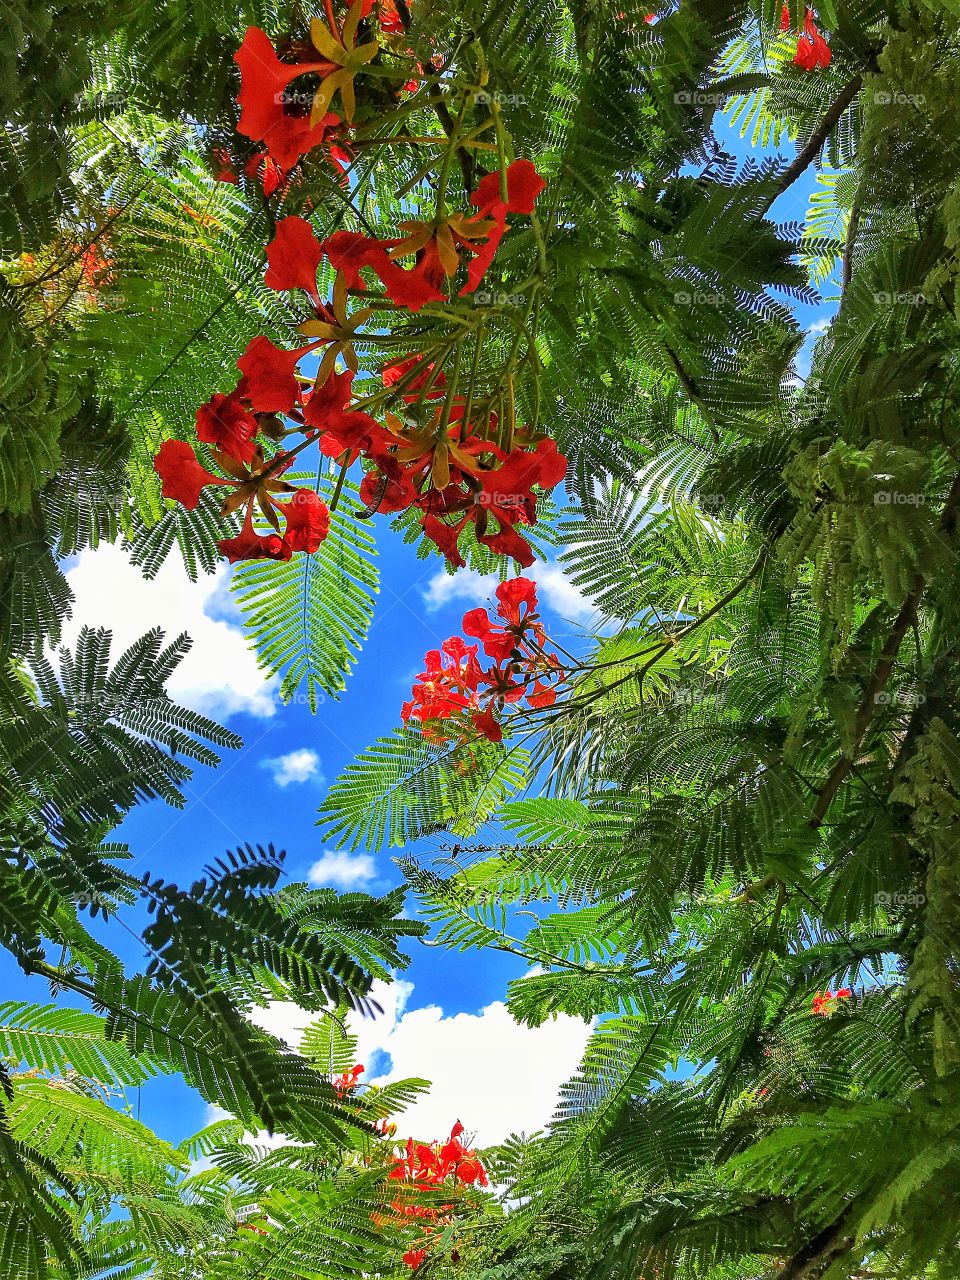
(812, 50)
(308, 523)
(387, 494)
(444, 690)
(349, 251)
(181, 474)
(326, 410)
(415, 286)
(223, 170)
(499, 642)
(387, 15)
(393, 373)
(507, 542)
(524, 184)
(824, 1003)
(508, 491)
(294, 256)
(268, 380)
(224, 422)
(413, 1257)
(350, 1079)
(470, 1170)
(247, 545)
(263, 166)
(266, 115)
(541, 695)
(445, 536)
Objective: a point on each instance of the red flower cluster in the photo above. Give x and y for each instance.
(439, 247)
(427, 1167)
(458, 699)
(230, 425)
(434, 1164)
(812, 50)
(824, 1003)
(347, 1082)
(460, 463)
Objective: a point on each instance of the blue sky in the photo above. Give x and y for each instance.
(445, 1019)
(269, 792)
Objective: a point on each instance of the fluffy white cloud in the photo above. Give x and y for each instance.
(557, 591)
(295, 766)
(466, 584)
(343, 870)
(493, 1074)
(219, 676)
(554, 588)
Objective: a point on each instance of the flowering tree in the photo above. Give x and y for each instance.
(280, 276)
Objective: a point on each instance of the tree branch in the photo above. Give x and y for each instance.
(816, 140)
(830, 1243)
(881, 672)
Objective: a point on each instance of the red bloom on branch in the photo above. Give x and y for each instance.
(445, 690)
(427, 1167)
(517, 607)
(812, 50)
(523, 185)
(247, 545)
(349, 1080)
(182, 477)
(343, 429)
(294, 256)
(308, 523)
(269, 382)
(268, 112)
(387, 15)
(823, 1004)
(224, 422)
(450, 701)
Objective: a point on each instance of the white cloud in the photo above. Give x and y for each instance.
(489, 1072)
(554, 589)
(295, 766)
(466, 584)
(493, 1074)
(219, 676)
(343, 870)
